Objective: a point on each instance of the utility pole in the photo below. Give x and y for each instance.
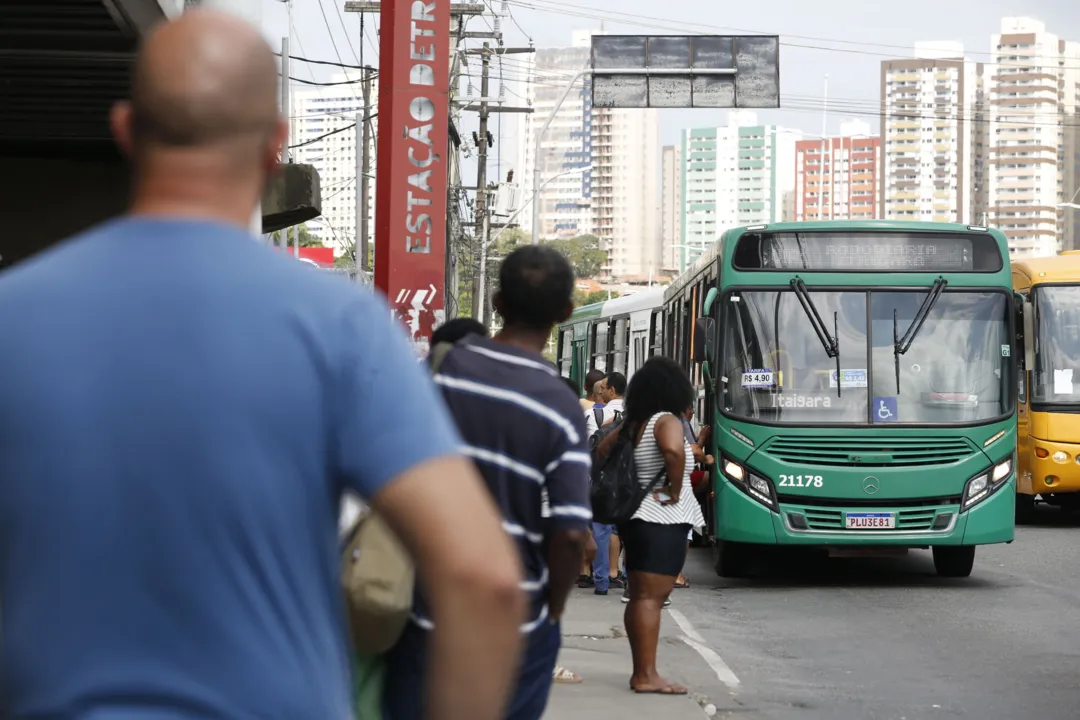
(479, 302)
(365, 174)
(361, 249)
(482, 227)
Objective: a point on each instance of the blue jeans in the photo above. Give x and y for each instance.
(601, 564)
(404, 695)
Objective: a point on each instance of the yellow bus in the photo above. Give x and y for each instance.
(1048, 426)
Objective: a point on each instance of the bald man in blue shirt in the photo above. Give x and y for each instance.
(181, 410)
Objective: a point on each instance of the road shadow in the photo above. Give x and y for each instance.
(1048, 516)
(812, 568)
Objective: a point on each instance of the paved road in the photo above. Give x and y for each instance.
(885, 639)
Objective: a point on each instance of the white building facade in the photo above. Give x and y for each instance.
(1033, 162)
(741, 174)
(599, 168)
(328, 113)
(932, 133)
(671, 207)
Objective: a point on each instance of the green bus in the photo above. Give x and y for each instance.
(861, 378)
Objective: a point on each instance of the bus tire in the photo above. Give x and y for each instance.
(732, 559)
(954, 561)
(1025, 509)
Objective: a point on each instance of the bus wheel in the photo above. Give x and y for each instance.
(1025, 509)
(954, 561)
(732, 559)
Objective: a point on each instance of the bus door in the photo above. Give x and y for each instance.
(1025, 348)
(639, 341)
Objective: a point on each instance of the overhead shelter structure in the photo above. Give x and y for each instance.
(62, 65)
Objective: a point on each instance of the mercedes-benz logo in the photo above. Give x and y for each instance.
(871, 485)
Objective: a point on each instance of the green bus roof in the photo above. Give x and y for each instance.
(586, 312)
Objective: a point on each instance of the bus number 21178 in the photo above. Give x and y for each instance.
(801, 481)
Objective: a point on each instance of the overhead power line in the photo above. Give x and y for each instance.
(591, 13)
(314, 140)
(345, 66)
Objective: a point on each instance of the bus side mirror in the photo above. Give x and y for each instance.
(710, 298)
(704, 338)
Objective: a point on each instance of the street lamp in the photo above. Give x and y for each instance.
(1072, 202)
(682, 258)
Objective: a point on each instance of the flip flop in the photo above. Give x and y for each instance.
(682, 585)
(667, 690)
(565, 677)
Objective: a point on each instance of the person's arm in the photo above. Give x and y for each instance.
(567, 484)
(671, 440)
(590, 423)
(438, 505)
(471, 574)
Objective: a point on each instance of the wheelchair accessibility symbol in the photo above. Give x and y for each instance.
(885, 409)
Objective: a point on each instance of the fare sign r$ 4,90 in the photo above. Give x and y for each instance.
(410, 193)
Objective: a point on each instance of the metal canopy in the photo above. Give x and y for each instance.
(62, 64)
(696, 71)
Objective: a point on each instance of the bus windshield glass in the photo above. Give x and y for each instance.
(955, 370)
(1057, 345)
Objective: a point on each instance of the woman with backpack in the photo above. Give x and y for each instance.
(654, 537)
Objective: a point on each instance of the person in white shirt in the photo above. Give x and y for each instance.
(611, 391)
(605, 565)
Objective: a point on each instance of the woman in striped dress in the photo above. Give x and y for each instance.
(655, 538)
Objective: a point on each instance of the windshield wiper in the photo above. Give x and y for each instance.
(902, 345)
(831, 343)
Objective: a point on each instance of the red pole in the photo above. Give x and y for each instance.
(410, 188)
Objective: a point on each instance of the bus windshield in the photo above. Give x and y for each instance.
(1057, 345)
(955, 370)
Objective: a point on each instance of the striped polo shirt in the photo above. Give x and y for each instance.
(524, 428)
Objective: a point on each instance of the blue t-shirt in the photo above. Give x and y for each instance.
(181, 409)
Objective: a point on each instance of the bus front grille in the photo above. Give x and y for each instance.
(906, 520)
(870, 452)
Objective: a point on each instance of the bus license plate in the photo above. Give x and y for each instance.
(871, 521)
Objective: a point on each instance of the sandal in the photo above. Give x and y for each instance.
(565, 677)
(683, 584)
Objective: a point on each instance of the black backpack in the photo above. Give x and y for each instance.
(616, 494)
(603, 430)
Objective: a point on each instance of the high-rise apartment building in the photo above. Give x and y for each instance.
(671, 207)
(599, 168)
(837, 178)
(316, 113)
(733, 176)
(566, 156)
(931, 132)
(626, 175)
(1033, 165)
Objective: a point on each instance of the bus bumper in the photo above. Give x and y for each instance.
(1050, 476)
(742, 519)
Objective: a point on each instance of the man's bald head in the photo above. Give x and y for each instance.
(205, 80)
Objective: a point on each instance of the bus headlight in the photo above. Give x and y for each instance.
(985, 483)
(754, 485)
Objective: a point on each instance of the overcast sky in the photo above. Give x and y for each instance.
(846, 39)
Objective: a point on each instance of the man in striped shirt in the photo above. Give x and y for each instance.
(525, 430)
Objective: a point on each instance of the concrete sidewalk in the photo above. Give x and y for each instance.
(595, 647)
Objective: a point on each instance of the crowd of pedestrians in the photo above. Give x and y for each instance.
(182, 411)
